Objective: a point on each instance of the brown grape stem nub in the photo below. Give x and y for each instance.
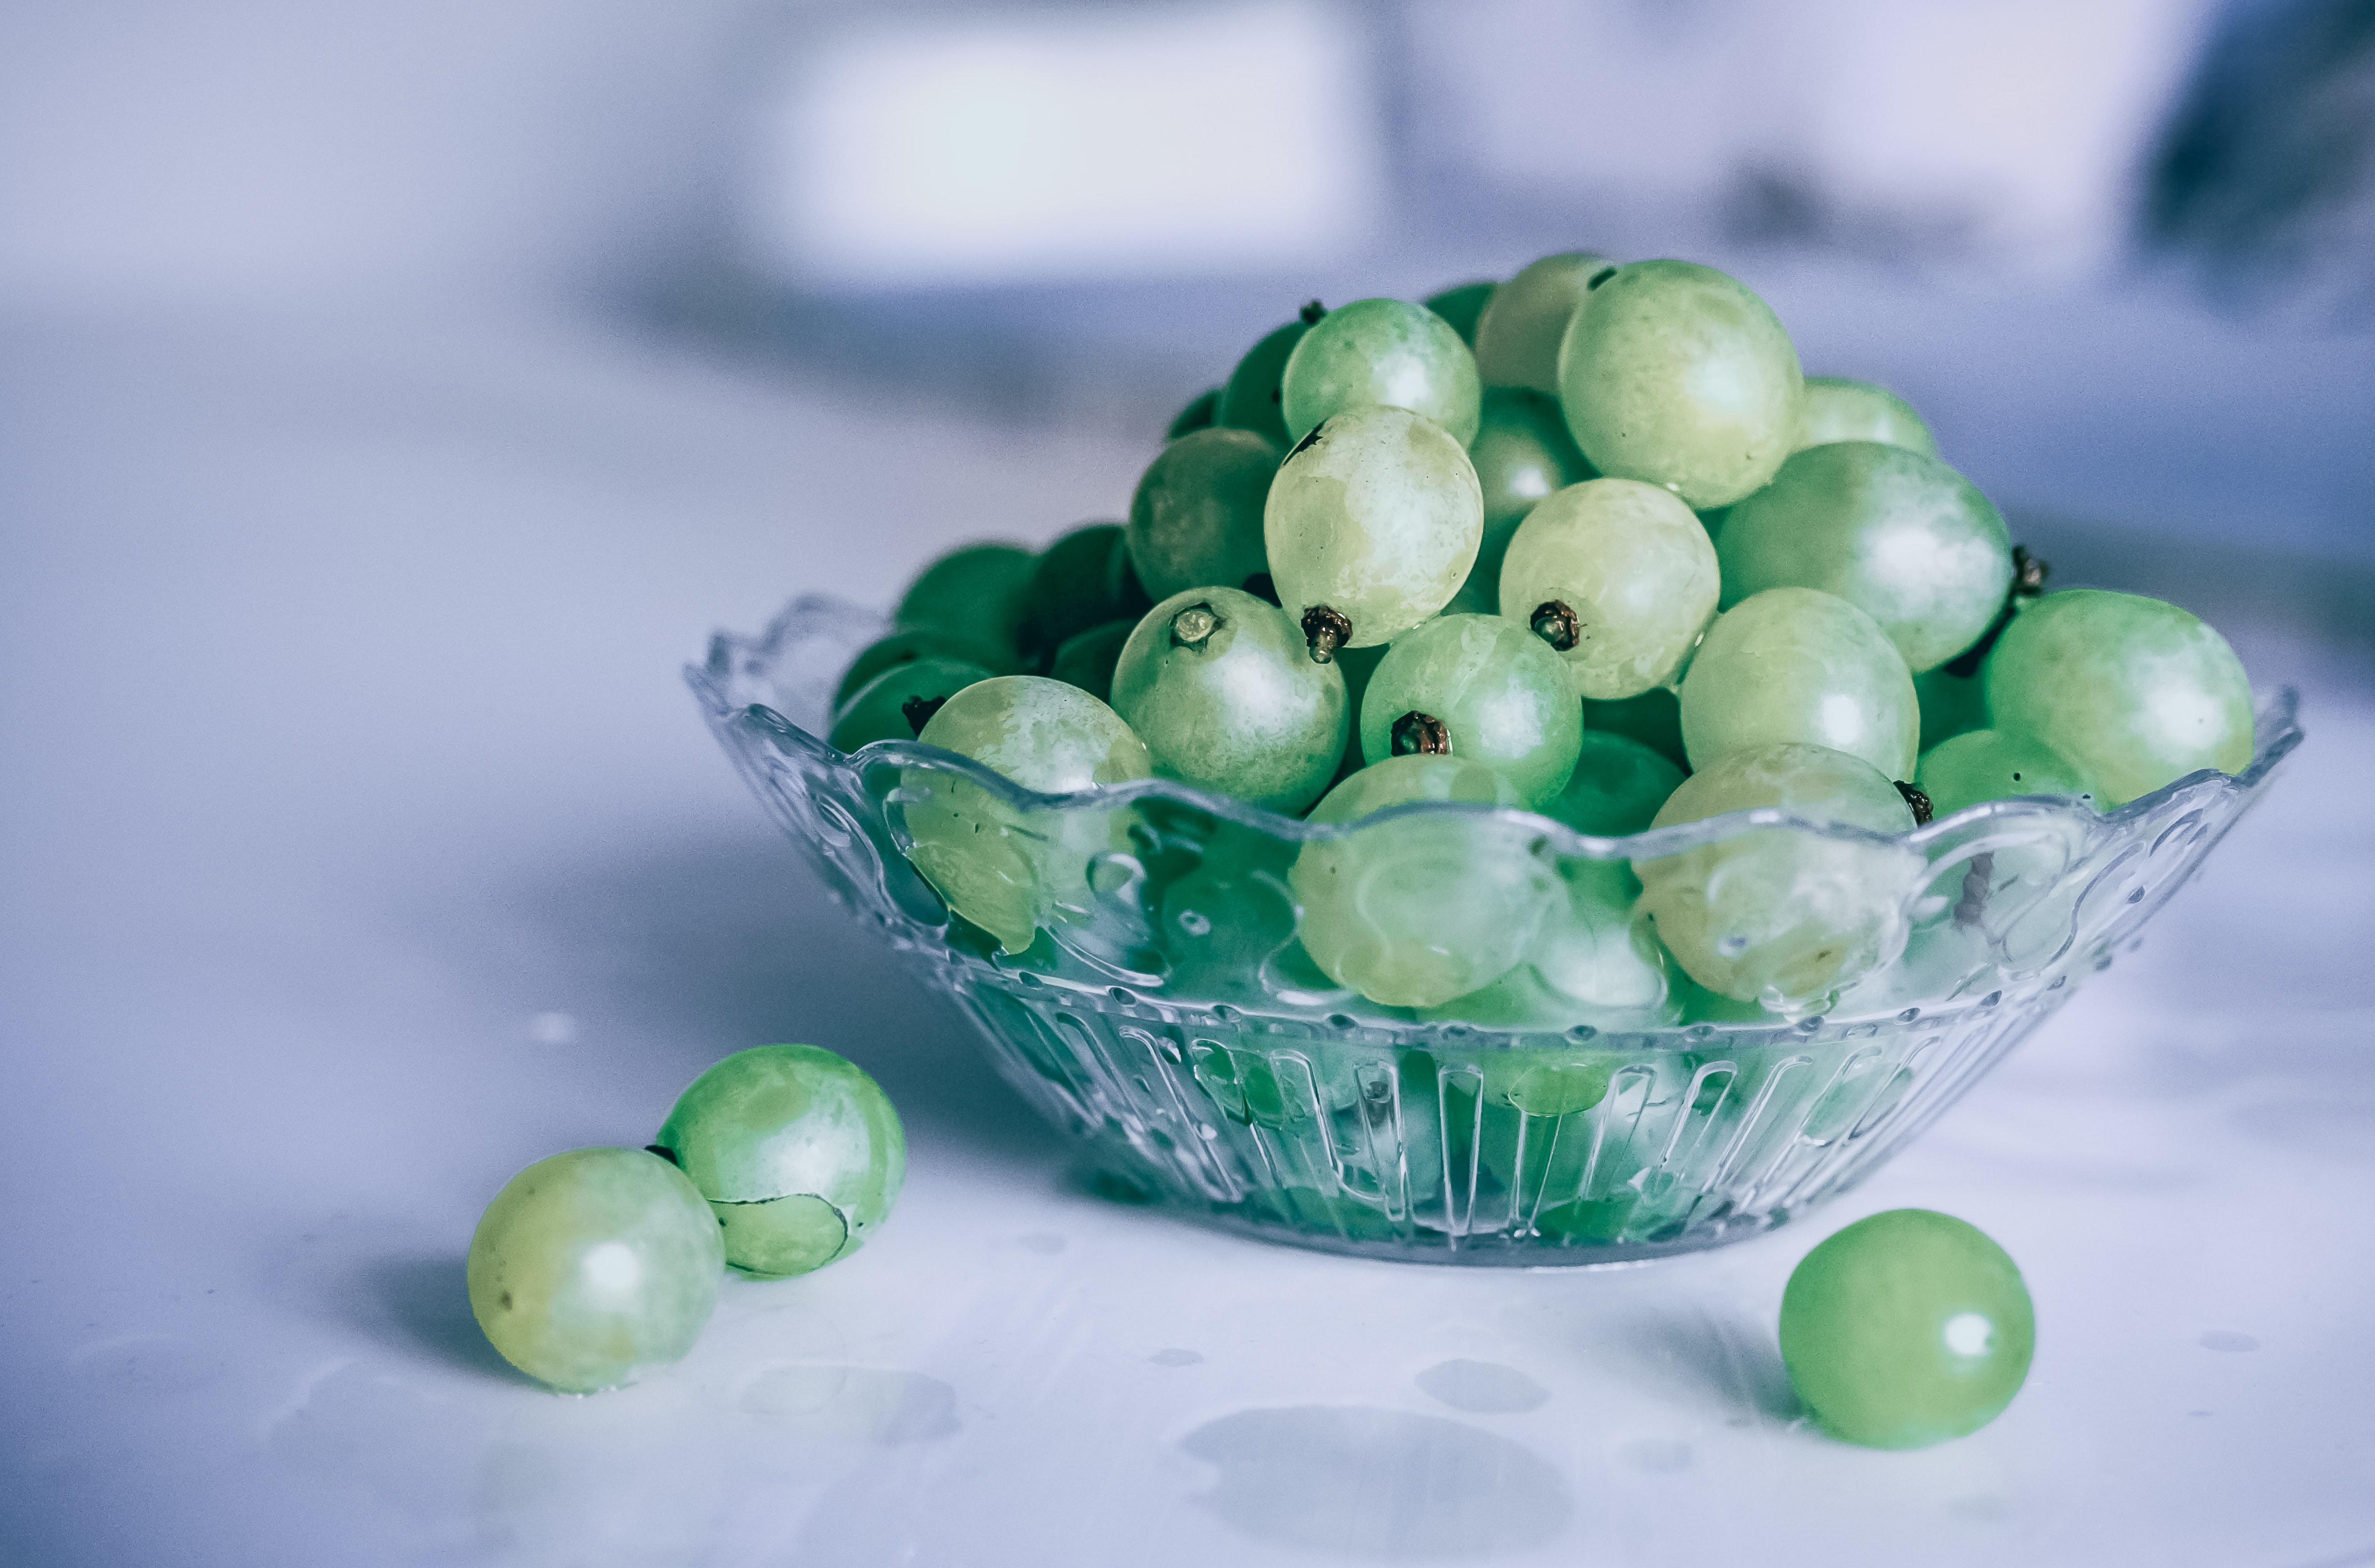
(1326, 630)
(1556, 622)
(1192, 627)
(1312, 311)
(919, 711)
(1918, 800)
(1415, 734)
(2028, 573)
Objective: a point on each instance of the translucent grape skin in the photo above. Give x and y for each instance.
(2134, 692)
(1382, 353)
(1522, 452)
(1250, 399)
(1899, 535)
(1077, 585)
(794, 1149)
(593, 1267)
(1519, 335)
(974, 592)
(1839, 409)
(1678, 375)
(1008, 874)
(1996, 764)
(1195, 518)
(1416, 911)
(1087, 660)
(1493, 693)
(1908, 1328)
(1200, 412)
(1616, 787)
(1778, 916)
(1220, 686)
(917, 643)
(1374, 519)
(1460, 305)
(1618, 578)
(897, 703)
(1800, 665)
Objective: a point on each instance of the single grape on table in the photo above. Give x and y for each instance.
(592, 1268)
(796, 1152)
(1907, 1330)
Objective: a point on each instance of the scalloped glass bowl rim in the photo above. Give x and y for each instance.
(2278, 717)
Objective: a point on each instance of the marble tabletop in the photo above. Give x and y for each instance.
(362, 845)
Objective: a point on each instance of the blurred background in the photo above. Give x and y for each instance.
(2122, 253)
(393, 398)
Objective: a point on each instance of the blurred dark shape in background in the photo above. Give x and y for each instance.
(2266, 173)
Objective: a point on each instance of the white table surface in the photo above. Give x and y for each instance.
(361, 845)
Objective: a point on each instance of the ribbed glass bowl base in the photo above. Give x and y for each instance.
(1237, 1083)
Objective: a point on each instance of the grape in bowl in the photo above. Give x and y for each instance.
(1168, 1014)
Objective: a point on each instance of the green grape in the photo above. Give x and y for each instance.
(591, 1268)
(1838, 408)
(1616, 788)
(1196, 518)
(1482, 688)
(1950, 703)
(1220, 686)
(919, 643)
(1460, 305)
(1619, 578)
(1415, 911)
(1381, 353)
(1519, 335)
(1906, 1329)
(1654, 718)
(1996, 764)
(1008, 873)
(1076, 585)
(1593, 947)
(1679, 375)
(1778, 915)
(1901, 537)
(1371, 525)
(1251, 400)
(1201, 413)
(1087, 660)
(897, 703)
(2135, 692)
(1796, 664)
(1521, 453)
(974, 592)
(796, 1151)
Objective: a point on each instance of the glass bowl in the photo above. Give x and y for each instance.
(1166, 1017)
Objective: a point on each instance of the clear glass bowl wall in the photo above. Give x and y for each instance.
(1171, 1023)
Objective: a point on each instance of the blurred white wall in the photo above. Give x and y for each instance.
(153, 147)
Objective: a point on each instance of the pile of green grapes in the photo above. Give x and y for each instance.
(594, 1266)
(1585, 544)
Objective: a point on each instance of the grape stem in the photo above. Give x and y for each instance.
(1919, 800)
(1326, 630)
(1312, 311)
(1415, 733)
(1194, 626)
(1556, 622)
